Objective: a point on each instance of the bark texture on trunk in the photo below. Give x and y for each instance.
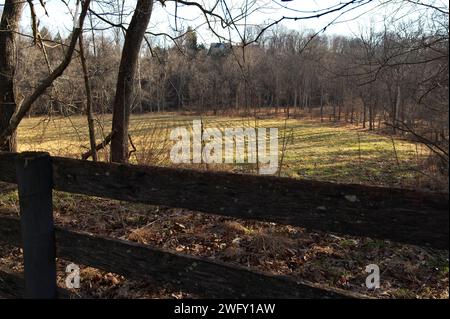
(125, 82)
(9, 130)
(89, 112)
(9, 25)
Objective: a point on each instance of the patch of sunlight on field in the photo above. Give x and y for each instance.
(313, 150)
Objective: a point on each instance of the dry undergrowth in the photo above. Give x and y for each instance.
(339, 261)
(317, 151)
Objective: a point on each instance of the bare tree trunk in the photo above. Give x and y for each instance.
(339, 111)
(9, 25)
(125, 80)
(90, 116)
(321, 104)
(139, 87)
(295, 99)
(397, 108)
(9, 130)
(352, 110)
(334, 111)
(364, 115)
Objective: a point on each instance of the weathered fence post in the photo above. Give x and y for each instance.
(34, 179)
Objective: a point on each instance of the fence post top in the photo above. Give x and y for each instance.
(25, 157)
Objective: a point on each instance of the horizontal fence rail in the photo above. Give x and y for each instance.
(12, 285)
(400, 215)
(193, 274)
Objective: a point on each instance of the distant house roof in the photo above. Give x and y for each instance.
(219, 49)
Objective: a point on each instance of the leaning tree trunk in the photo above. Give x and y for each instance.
(9, 25)
(125, 80)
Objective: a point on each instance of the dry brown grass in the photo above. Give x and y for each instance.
(318, 151)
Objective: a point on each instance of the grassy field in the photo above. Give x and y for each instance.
(313, 150)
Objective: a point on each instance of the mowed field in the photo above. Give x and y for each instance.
(307, 149)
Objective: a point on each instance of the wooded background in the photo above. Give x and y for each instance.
(394, 77)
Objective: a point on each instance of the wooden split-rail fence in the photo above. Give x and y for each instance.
(399, 215)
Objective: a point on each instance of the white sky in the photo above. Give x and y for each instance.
(266, 11)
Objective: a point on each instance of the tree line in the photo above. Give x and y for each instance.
(393, 78)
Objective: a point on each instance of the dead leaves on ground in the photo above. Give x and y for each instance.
(338, 261)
